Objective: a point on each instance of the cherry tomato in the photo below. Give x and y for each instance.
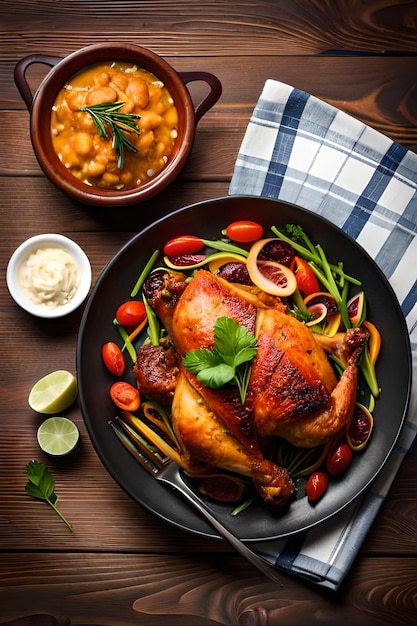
(339, 459)
(185, 244)
(125, 396)
(307, 281)
(113, 358)
(244, 231)
(131, 313)
(316, 486)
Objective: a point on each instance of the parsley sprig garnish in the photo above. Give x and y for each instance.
(106, 116)
(41, 485)
(230, 359)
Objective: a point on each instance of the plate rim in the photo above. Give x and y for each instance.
(130, 243)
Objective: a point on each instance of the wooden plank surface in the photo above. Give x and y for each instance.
(164, 590)
(218, 27)
(122, 565)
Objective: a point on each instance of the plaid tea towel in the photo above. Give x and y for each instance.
(301, 150)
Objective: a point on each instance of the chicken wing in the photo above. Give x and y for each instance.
(320, 425)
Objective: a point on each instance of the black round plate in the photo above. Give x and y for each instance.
(113, 287)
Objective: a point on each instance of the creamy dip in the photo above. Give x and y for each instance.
(49, 277)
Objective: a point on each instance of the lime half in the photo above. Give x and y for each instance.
(53, 393)
(58, 436)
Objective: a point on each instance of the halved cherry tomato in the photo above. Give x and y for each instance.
(125, 396)
(131, 313)
(244, 231)
(307, 281)
(113, 358)
(185, 244)
(339, 459)
(316, 485)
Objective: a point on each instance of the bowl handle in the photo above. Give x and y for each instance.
(20, 74)
(213, 95)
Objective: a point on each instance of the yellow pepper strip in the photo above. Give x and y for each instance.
(374, 342)
(138, 329)
(217, 260)
(333, 325)
(158, 416)
(317, 294)
(148, 411)
(153, 437)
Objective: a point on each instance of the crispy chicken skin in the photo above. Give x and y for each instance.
(226, 403)
(205, 438)
(306, 429)
(205, 299)
(291, 375)
(296, 394)
(320, 426)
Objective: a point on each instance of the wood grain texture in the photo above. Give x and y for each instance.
(211, 28)
(122, 565)
(111, 590)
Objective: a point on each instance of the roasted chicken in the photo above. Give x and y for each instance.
(292, 393)
(205, 437)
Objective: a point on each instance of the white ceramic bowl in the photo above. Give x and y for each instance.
(21, 255)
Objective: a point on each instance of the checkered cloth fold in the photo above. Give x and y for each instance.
(301, 150)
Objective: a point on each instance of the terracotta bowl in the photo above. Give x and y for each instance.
(63, 69)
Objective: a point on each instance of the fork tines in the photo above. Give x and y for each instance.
(150, 461)
(148, 447)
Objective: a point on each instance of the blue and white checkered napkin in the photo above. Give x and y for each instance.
(304, 151)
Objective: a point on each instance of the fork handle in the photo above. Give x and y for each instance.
(240, 547)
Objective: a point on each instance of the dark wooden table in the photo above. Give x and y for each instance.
(122, 565)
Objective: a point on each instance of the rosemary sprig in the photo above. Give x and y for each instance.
(106, 116)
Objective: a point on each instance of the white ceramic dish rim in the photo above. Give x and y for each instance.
(22, 253)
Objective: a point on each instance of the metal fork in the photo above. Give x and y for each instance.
(146, 447)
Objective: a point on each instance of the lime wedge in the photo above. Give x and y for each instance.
(58, 436)
(53, 393)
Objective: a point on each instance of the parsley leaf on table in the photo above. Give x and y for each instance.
(234, 349)
(41, 485)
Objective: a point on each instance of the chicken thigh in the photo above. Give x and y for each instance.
(205, 438)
